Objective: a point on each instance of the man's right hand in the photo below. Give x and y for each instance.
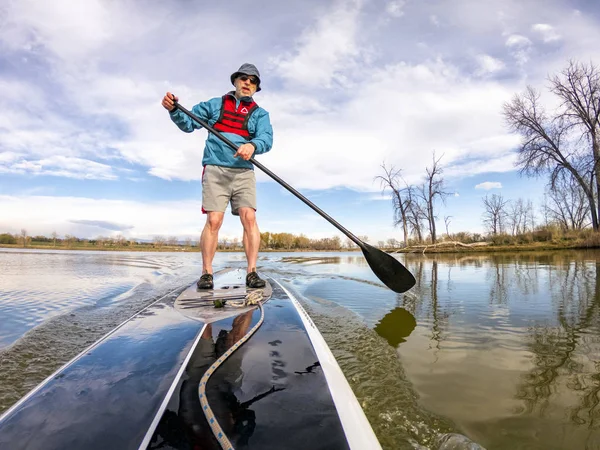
(168, 101)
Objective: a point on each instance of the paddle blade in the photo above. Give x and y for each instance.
(388, 269)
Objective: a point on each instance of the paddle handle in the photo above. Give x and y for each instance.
(315, 208)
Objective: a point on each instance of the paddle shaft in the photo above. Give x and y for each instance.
(318, 210)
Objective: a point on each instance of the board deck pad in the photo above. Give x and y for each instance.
(230, 286)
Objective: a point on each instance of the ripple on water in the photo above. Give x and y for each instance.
(377, 377)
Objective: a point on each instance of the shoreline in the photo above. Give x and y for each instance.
(409, 250)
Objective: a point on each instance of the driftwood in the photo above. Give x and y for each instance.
(447, 243)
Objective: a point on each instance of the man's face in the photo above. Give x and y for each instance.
(245, 86)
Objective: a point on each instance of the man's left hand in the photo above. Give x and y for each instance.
(245, 151)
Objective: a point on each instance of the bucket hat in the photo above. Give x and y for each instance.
(247, 69)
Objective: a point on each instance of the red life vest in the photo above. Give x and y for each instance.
(232, 120)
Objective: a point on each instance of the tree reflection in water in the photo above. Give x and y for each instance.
(566, 355)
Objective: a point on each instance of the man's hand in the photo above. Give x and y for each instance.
(245, 151)
(168, 101)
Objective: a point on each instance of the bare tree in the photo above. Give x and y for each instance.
(159, 241)
(566, 141)
(400, 200)
(518, 216)
(392, 243)
(23, 237)
(431, 190)
(54, 237)
(447, 223)
(416, 213)
(566, 204)
(494, 215)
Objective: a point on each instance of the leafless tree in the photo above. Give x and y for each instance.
(495, 214)
(518, 216)
(23, 237)
(70, 240)
(54, 237)
(400, 198)
(566, 204)
(159, 241)
(566, 141)
(431, 191)
(392, 243)
(416, 213)
(447, 223)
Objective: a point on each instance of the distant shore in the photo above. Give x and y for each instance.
(419, 249)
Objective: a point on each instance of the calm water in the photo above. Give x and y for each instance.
(504, 349)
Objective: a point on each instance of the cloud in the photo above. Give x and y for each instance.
(325, 50)
(488, 65)
(395, 8)
(111, 226)
(58, 166)
(83, 217)
(547, 32)
(487, 185)
(520, 47)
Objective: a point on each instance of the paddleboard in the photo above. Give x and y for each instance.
(137, 388)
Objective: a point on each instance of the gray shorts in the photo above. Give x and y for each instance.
(221, 185)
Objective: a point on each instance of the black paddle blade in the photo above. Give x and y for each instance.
(388, 269)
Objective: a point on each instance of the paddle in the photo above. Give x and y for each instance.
(387, 268)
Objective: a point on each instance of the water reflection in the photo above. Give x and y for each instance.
(187, 427)
(565, 354)
(527, 324)
(396, 326)
(357, 260)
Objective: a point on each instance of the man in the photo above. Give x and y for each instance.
(228, 176)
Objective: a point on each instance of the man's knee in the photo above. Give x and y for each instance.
(248, 217)
(214, 221)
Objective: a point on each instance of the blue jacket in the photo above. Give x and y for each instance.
(217, 152)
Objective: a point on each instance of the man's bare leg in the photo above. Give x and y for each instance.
(210, 239)
(251, 237)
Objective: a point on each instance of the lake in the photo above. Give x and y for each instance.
(503, 348)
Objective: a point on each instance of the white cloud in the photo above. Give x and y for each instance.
(68, 215)
(395, 7)
(488, 64)
(547, 32)
(60, 166)
(487, 185)
(520, 48)
(325, 50)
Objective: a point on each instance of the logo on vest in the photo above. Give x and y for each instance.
(244, 110)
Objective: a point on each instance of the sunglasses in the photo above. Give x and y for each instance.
(253, 80)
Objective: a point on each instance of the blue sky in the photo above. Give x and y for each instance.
(87, 149)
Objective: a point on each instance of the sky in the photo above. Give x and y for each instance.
(86, 148)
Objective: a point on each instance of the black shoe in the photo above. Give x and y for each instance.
(254, 281)
(206, 281)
